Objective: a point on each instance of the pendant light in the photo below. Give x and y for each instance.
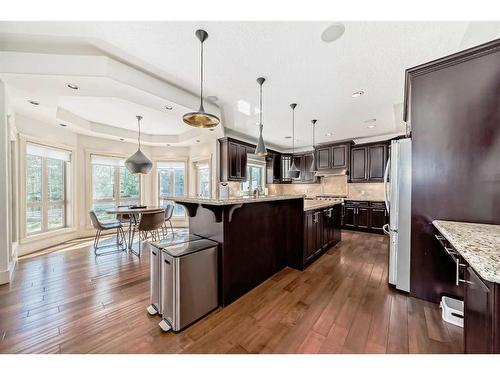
(261, 146)
(138, 162)
(293, 172)
(314, 167)
(201, 119)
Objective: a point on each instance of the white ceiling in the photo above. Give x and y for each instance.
(297, 64)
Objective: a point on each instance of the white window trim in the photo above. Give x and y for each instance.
(89, 182)
(156, 186)
(199, 159)
(71, 220)
(259, 164)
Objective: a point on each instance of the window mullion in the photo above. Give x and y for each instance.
(45, 195)
(117, 186)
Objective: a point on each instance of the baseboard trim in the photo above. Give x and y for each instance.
(6, 275)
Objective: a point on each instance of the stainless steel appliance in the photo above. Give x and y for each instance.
(155, 266)
(188, 283)
(397, 193)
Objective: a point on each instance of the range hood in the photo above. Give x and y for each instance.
(332, 172)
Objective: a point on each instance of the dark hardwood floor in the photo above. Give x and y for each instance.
(67, 301)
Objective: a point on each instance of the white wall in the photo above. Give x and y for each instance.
(83, 146)
(201, 151)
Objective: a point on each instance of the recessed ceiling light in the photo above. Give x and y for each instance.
(211, 130)
(63, 125)
(121, 139)
(33, 102)
(169, 107)
(370, 120)
(198, 141)
(328, 134)
(288, 137)
(357, 94)
(333, 32)
(371, 126)
(168, 145)
(73, 87)
(212, 98)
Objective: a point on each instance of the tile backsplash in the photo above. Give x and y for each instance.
(335, 185)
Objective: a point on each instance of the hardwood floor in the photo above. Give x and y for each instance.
(68, 301)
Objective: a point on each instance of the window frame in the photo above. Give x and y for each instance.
(262, 167)
(68, 202)
(156, 182)
(202, 160)
(116, 181)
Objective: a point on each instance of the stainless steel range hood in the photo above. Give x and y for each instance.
(332, 172)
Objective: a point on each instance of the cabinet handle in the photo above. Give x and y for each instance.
(458, 279)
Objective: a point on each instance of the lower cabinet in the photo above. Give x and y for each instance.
(478, 314)
(365, 216)
(321, 231)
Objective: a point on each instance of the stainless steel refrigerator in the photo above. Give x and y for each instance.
(397, 192)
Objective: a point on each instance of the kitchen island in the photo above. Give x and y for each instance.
(258, 237)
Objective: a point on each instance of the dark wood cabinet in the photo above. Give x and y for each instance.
(307, 175)
(340, 155)
(321, 231)
(286, 162)
(368, 162)
(364, 216)
(323, 155)
(358, 170)
(233, 160)
(478, 314)
(376, 162)
(273, 168)
(334, 156)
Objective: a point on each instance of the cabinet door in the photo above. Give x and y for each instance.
(319, 230)
(307, 175)
(270, 168)
(324, 158)
(349, 214)
(362, 219)
(309, 235)
(242, 160)
(358, 170)
(286, 160)
(378, 218)
(234, 163)
(340, 156)
(377, 156)
(478, 315)
(277, 168)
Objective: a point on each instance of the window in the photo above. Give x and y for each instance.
(255, 176)
(112, 185)
(171, 182)
(46, 188)
(202, 179)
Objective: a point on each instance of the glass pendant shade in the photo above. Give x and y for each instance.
(314, 167)
(138, 162)
(261, 146)
(293, 172)
(200, 118)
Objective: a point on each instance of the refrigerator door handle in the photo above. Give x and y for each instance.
(385, 229)
(386, 183)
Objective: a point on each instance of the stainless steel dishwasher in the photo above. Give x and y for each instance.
(155, 266)
(188, 283)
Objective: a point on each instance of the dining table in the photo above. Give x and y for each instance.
(133, 214)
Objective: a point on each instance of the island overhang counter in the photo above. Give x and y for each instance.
(257, 237)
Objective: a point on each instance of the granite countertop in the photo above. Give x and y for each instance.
(478, 244)
(229, 201)
(316, 204)
(364, 199)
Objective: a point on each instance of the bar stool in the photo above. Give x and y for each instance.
(99, 227)
(150, 223)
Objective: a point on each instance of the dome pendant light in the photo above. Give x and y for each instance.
(261, 146)
(314, 167)
(293, 172)
(201, 119)
(138, 162)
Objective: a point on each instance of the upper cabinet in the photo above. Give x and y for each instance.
(335, 156)
(368, 162)
(233, 160)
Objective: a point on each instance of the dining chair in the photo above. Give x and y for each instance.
(169, 211)
(150, 224)
(100, 226)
